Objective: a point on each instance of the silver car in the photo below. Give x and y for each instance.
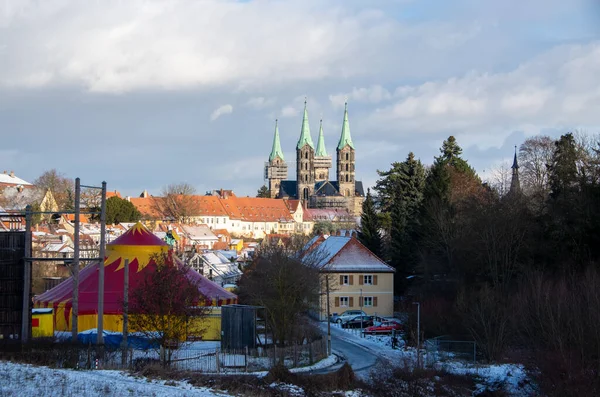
(345, 316)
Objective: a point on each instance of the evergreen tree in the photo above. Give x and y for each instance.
(404, 215)
(263, 192)
(120, 210)
(370, 226)
(563, 169)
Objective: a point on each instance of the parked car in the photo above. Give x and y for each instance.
(385, 327)
(345, 316)
(358, 322)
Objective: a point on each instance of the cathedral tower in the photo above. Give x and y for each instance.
(322, 160)
(345, 159)
(305, 156)
(275, 168)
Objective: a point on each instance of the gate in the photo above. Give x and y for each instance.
(12, 271)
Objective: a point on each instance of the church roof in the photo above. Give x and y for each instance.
(276, 150)
(323, 188)
(345, 138)
(515, 163)
(327, 188)
(305, 138)
(321, 151)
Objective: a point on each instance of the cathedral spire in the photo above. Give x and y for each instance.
(515, 164)
(345, 138)
(276, 150)
(305, 138)
(321, 151)
(515, 185)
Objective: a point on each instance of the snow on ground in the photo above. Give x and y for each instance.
(28, 380)
(512, 378)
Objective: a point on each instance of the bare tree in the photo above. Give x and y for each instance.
(61, 187)
(164, 306)
(500, 177)
(287, 288)
(177, 203)
(534, 156)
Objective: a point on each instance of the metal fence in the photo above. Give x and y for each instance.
(443, 348)
(185, 358)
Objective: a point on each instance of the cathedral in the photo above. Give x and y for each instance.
(312, 184)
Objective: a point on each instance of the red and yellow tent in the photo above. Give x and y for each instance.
(138, 245)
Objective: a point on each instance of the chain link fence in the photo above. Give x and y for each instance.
(187, 357)
(444, 348)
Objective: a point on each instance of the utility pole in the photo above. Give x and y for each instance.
(75, 269)
(26, 316)
(328, 316)
(418, 331)
(100, 328)
(125, 311)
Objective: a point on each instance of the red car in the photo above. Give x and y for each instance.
(385, 327)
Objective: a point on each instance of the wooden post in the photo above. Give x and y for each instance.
(100, 340)
(26, 316)
(217, 360)
(75, 266)
(125, 309)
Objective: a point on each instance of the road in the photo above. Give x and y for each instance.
(360, 358)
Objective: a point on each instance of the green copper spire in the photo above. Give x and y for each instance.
(305, 138)
(321, 151)
(276, 151)
(345, 138)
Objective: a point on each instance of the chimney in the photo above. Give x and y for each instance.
(12, 174)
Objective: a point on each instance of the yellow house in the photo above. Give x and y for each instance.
(236, 244)
(356, 278)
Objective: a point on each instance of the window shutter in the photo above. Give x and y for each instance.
(337, 301)
(375, 279)
(361, 279)
(341, 279)
(351, 280)
(351, 302)
(374, 301)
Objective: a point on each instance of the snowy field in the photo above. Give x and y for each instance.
(27, 380)
(511, 378)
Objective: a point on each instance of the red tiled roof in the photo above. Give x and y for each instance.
(254, 209)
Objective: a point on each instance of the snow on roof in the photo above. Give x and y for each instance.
(199, 233)
(11, 179)
(340, 253)
(57, 247)
(325, 251)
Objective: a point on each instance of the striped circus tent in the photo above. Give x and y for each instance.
(138, 245)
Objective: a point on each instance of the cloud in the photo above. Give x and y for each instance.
(373, 94)
(260, 102)
(556, 88)
(116, 46)
(220, 111)
(289, 111)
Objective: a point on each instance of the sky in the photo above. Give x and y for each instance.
(143, 93)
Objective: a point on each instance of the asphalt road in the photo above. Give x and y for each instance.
(360, 358)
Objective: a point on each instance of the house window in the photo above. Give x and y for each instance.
(368, 301)
(368, 280)
(345, 279)
(344, 301)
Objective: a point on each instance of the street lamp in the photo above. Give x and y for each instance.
(361, 314)
(418, 324)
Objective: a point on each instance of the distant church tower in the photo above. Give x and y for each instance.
(345, 159)
(305, 156)
(276, 168)
(322, 160)
(515, 185)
